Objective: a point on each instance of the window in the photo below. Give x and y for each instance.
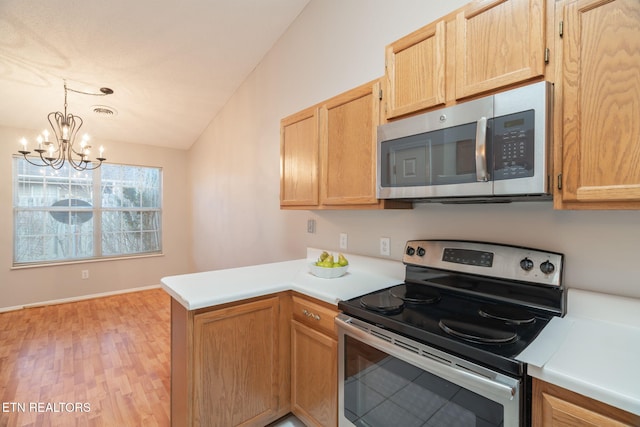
(66, 215)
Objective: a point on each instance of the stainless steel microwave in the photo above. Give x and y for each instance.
(494, 148)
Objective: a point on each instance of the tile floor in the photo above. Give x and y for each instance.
(288, 421)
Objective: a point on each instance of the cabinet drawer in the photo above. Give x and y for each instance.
(314, 315)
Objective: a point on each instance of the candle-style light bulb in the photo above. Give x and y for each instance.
(45, 133)
(23, 141)
(39, 139)
(101, 150)
(51, 150)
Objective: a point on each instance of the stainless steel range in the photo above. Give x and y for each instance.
(441, 348)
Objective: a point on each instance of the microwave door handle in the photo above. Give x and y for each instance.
(481, 151)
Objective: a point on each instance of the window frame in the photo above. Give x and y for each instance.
(97, 211)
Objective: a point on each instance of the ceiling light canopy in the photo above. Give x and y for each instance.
(63, 148)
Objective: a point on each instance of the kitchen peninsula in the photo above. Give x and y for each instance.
(247, 342)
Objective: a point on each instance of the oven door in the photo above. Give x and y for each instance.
(386, 379)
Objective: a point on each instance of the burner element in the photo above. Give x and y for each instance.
(382, 303)
(484, 331)
(415, 294)
(512, 315)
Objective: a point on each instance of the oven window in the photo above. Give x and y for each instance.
(381, 390)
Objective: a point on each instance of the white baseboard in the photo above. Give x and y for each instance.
(78, 298)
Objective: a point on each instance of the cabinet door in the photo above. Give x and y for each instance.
(415, 72)
(299, 159)
(498, 43)
(348, 144)
(314, 376)
(554, 406)
(601, 104)
(235, 360)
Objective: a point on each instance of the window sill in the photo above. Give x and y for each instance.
(84, 261)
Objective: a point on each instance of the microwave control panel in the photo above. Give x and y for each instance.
(513, 145)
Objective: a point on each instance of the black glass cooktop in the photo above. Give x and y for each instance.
(488, 332)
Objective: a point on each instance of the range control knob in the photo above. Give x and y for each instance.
(421, 251)
(547, 267)
(526, 264)
(410, 251)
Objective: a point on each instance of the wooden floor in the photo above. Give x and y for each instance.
(99, 362)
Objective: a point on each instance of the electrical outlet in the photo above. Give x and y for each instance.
(85, 274)
(385, 246)
(311, 226)
(343, 241)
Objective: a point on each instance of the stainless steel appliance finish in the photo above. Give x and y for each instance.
(441, 348)
(494, 148)
(460, 375)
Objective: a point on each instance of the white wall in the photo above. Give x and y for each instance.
(32, 285)
(333, 46)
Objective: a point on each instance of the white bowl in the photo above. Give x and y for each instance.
(326, 272)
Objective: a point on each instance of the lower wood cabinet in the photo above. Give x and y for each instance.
(230, 364)
(251, 362)
(314, 364)
(555, 406)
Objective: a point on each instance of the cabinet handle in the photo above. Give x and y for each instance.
(310, 314)
(481, 155)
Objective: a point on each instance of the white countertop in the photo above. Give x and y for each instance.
(210, 288)
(594, 350)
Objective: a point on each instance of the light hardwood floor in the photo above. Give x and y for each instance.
(99, 362)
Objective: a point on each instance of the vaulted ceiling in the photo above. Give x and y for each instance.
(172, 64)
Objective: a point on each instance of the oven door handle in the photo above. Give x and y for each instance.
(457, 375)
(481, 150)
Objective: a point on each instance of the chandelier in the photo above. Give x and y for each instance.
(63, 148)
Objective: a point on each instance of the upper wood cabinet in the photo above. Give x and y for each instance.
(499, 43)
(328, 154)
(554, 406)
(599, 97)
(483, 46)
(348, 147)
(299, 159)
(415, 70)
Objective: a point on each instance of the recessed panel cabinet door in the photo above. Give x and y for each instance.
(299, 159)
(498, 43)
(554, 406)
(601, 104)
(415, 72)
(314, 376)
(348, 147)
(236, 365)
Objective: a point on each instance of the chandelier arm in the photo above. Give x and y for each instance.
(80, 166)
(33, 163)
(93, 166)
(54, 162)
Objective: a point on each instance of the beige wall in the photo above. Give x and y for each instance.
(221, 198)
(335, 45)
(26, 286)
